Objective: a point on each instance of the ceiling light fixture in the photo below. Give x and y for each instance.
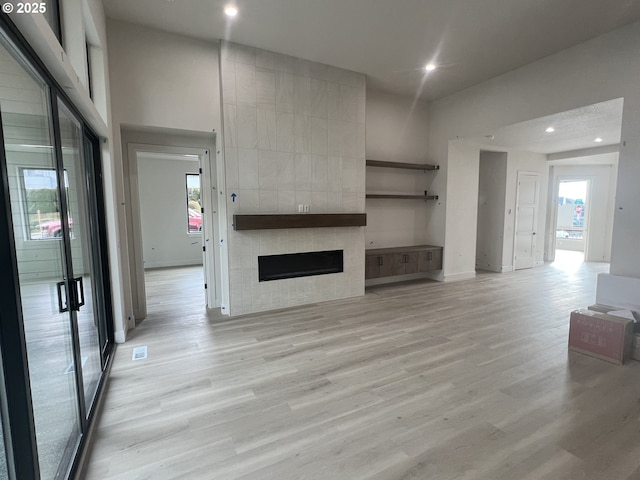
(230, 11)
(550, 130)
(430, 67)
(598, 140)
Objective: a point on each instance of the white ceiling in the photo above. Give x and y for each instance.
(391, 40)
(574, 130)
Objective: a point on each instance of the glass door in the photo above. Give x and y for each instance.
(86, 311)
(39, 225)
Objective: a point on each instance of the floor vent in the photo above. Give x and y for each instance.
(139, 353)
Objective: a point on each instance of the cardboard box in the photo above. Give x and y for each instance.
(600, 335)
(635, 353)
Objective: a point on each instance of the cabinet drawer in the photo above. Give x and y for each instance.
(430, 260)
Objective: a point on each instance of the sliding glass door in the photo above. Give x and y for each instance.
(49, 171)
(39, 224)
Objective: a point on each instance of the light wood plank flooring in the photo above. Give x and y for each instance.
(466, 380)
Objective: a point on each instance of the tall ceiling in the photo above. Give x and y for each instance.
(391, 40)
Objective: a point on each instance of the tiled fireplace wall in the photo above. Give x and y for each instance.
(294, 133)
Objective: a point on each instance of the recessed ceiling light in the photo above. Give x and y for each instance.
(598, 140)
(429, 67)
(230, 11)
(550, 130)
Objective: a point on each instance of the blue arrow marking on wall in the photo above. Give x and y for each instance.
(233, 197)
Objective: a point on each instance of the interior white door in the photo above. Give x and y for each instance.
(526, 220)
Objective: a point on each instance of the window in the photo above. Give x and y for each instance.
(194, 208)
(42, 205)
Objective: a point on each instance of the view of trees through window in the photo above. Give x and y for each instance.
(194, 207)
(42, 203)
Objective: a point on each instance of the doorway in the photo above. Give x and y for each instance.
(173, 218)
(571, 228)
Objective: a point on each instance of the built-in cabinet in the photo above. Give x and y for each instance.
(387, 262)
(405, 260)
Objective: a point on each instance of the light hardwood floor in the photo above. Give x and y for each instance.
(466, 380)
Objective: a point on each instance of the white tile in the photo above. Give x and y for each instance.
(334, 74)
(349, 175)
(361, 141)
(303, 171)
(228, 70)
(318, 98)
(334, 137)
(286, 171)
(246, 84)
(334, 174)
(319, 136)
(302, 197)
(319, 172)
(231, 168)
(349, 99)
(302, 67)
(265, 87)
(284, 132)
(284, 92)
(230, 125)
(266, 129)
(302, 133)
(350, 140)
(349, 78)
(247, 200)
(284, 63)
(247, 118)
(301, 95)
(320, 71)
(265, 59)
(349, 202)
(334, 202)
(244, 54)
(248, 168)
(362, 105)
(267, 170)
(319, 202)
(268, 201)
(334, 103)
(287, 201)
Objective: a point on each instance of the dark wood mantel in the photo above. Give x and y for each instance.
(302, 220)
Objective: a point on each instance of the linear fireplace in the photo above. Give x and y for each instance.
(292, 265)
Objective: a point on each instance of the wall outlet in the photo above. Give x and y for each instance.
(307, 209)
(300, 208)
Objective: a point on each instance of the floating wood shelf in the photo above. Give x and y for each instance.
(406, 197)
(304, 220)
(410, 166)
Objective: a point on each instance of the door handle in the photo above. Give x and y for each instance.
(380, 261)
(62, 309)
(429, 255)
(79, 292)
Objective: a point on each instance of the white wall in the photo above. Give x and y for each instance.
(492, 188)
(160, 81)
(601, 69)
(163, 213)
(601, 204)
(397, 131)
